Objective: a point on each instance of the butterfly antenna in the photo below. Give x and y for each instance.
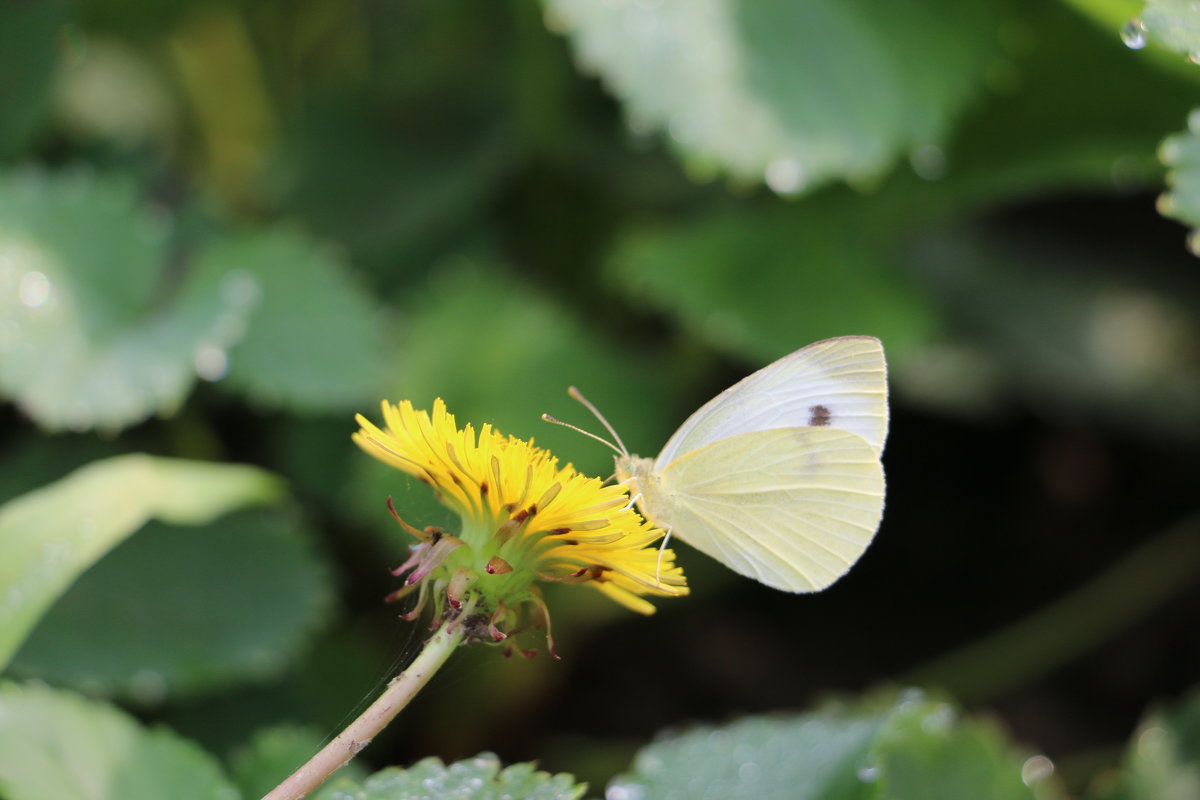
(588, 434)
(575, 393)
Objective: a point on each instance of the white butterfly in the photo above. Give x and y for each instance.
(778, 477)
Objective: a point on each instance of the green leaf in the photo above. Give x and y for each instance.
(53, 534)
(793, 93)
(1089, 145)
(1061, 324)
(435, 185)
(55, 745)
(499, 351)
(811, 757)
(1173, 23)
(315, 342)
(899, 748)
(1163, 761)
(29, 50)
(478, 778)
(929, 752)
(238, 600)
(812, 278)
(93, 331)
(1181, 155)
(274, 753)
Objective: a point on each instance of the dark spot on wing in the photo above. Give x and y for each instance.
(819, 416)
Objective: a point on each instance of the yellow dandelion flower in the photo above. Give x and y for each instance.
(524, 518)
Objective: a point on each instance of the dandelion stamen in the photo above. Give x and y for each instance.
(524, 518)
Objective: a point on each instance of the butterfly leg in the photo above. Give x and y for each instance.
(661, 549)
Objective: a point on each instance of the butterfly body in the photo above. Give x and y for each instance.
(778, 477)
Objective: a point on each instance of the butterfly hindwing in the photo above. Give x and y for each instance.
(793, 508)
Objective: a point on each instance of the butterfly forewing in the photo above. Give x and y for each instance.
(836, 383)
(793, 508)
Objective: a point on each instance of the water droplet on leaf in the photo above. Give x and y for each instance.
(786, 176)
(1133, 34)
(34, 289)
(210, 362)
(148, 686)
(928, 161)
(868, 773)
(1036, 768)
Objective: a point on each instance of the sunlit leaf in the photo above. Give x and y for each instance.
(1028, 141)
(55, 745)
(815, 757)
(94, 329)
(315, 343)
(904, 748)
(928, 751)
(478, 778)
(761, 285)
(51, 535)
(1181, 154)
(1174, 23)
(791, 93)
(199, 607)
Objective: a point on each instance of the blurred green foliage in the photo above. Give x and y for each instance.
(226, 227)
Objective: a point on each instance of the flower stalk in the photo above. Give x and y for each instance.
(359, 733)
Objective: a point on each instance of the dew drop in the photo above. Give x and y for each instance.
(786, 176)
(649, 764)
(620, 791)
(718, 739)
(928, 161)
(1133, 34)
(1150, 740)
(1193, 242)
(939, 720)
(240, 289)
(910, 697)
(34, 289)
(148, 686)
(868, 773)
(1036, 768)
(210, 362)
(749, 772)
